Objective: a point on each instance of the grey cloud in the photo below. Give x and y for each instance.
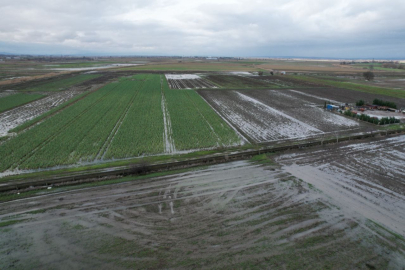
(246, 28)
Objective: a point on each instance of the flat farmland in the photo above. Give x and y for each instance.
(349, 96)
(193, 122)
(62, 84)
(270, 115)
(134, 116)
(188, 81)
(237, 81)
(314, 210)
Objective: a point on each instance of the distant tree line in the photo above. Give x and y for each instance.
(394, 65)
(360, 103)
(384, 103)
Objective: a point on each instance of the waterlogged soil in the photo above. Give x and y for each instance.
(237, 215)
(17, 116)
(270, 115)
(365, 178)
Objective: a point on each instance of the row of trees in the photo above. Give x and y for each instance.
(378, 102)
(394, 65)
(384, 103)
(374, 120)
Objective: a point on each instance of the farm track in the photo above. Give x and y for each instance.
(170, 146)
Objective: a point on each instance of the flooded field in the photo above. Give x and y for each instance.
(311, 209)
(271, 115)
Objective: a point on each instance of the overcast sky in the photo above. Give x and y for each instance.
(308, 28)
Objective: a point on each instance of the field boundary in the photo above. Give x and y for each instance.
(143, 169)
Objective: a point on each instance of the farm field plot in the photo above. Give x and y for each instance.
(285, 81)
(79, 133)
(307, 109)
(237, 81)
(188, 81)
(15, 117)
(349, 96)
(194, 123)
(269, 115)
(11, 101)
(135, 116)
(231, 216)
(62, 84)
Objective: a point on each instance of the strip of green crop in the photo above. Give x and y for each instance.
(11, 101)
(141, 132)
(48, 113)
(194, 123)
(63, 83)
(353, 86)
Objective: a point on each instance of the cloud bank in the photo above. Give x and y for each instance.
(341, 28)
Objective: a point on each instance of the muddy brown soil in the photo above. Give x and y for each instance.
(231, 216)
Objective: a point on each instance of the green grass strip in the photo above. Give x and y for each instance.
(10, 222)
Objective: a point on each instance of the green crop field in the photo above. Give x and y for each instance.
(123, 119)
(62, 84)
(9, 102)
(142, 127)
(194, 123)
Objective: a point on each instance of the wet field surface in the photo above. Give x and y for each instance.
(332, 207)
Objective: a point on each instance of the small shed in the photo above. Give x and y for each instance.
(331, 107)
